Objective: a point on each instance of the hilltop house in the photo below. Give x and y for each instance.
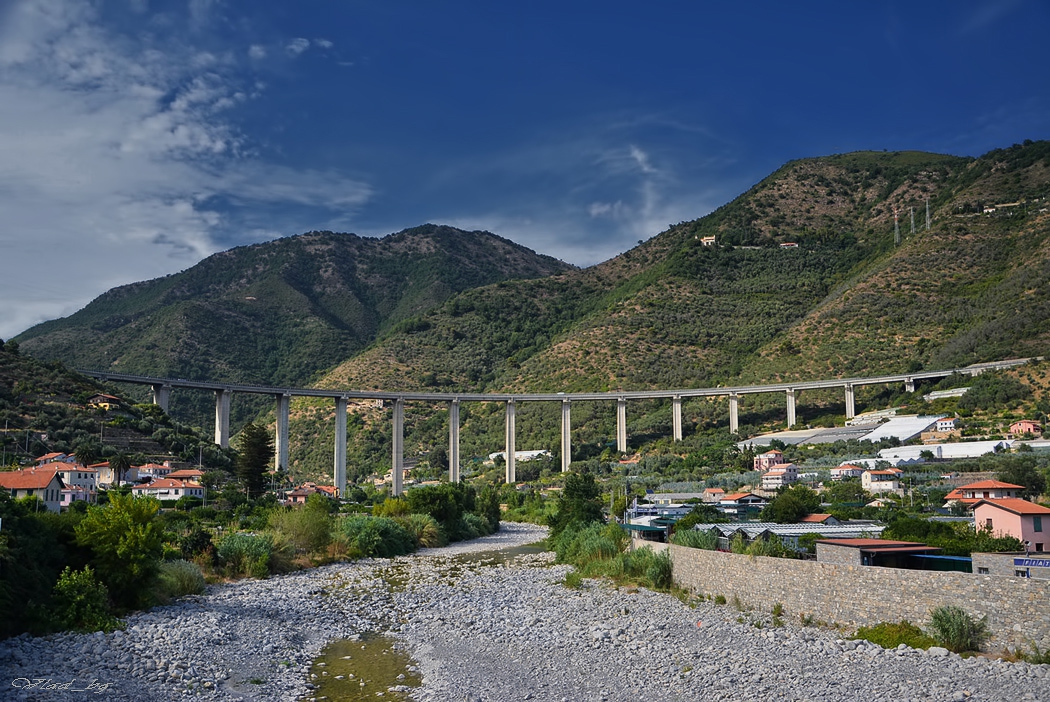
(1010, 516)
(769, 459)
(879, 481)
(782, 475)
(43, 483)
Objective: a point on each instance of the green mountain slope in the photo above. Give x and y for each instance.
(280, 312)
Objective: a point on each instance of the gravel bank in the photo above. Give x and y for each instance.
(490, 632)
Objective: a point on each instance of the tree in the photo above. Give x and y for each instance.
(87, 452)
(1022, 470)
(254, 458)
(578, 504)
(126, 541)
(120, 464)
(846, 491)
(791, 505)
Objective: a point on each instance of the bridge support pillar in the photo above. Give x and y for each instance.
(453, 441)
(734, 413)
(676, 417)
(397, 459)
(566, 436)
(510, 440)
(280, 438)
(339, 459)
(222, 418)
(791, 408)
(161, 395)
(909, 385)
(621, 425)
(851, 408)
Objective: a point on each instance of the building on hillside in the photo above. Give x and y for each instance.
(54, 458)
(155, 470)
(299, 495)
(106, 476)
(881, 481)
(947, 424)
(168, 489)
(193, 474)
(76, 474)
(780, 476)
(769, 459)
(667, 498)
(43, 483)
(712, 495)
(521, 456)
(845, 471)
(106, 402)
(707, 241)
(969, 494)
(1009, 516)
(1026, 426)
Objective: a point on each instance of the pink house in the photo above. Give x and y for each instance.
(1026, 426)
(1011, 516)
(783, 474)
(769, 459)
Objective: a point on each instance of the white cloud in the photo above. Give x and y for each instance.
(118, 161)
(297, 46)
(257, 52)
(323, 43)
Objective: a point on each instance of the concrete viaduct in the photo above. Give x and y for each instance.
(162, 388)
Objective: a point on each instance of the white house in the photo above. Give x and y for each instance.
(846, 470)
(43, 483)
(782, 475)
(879, 481)
(75, 474)
(168, 489)
(947, 424)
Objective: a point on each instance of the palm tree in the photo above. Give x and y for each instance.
(120, 464)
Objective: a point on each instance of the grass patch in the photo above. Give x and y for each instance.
(890, 635)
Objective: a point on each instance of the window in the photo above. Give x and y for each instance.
(1039, 547)
(1037, 523)
(982, 571)
(1021, 572)
(988, 523)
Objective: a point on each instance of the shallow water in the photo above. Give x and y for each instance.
(355, 670)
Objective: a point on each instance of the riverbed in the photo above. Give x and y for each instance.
(480, 621)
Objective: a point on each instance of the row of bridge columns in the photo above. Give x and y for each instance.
(162, 395)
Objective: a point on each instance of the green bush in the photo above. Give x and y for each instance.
(179, 578)
(81, 603)
(424, 529)
(956, 630)
(573, 580)
(245, 554)
(659, 572)
(375, 536)
(889, 635)
(306, 529)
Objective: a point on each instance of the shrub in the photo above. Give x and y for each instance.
(245, 554)
(179, 578)
(81, 603)
(375, 536)
(306, 529)
(195, 543)
(659, 572)
(720, 599)
(889, 635)
(573, 580)
(424, 529)
(956, 630)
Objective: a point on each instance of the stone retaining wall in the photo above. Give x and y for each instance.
(1018, 609)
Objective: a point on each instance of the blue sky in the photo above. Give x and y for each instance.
(138, 136)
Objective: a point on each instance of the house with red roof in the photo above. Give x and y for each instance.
(970, 494)
(825, 519)
(879, 481)
(168, 489)
(76, 474)
(741, 503)
(43, 483)
(769, 459)
(846, 470)
(1026, 426)
(1011, 516)
(781, 475)
(53, 458)
(712, 495)
(186, 474)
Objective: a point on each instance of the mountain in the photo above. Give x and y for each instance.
(804, 276)
(805, 280)
(280, 312)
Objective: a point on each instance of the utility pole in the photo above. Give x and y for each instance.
(912, 210)
(896, 229)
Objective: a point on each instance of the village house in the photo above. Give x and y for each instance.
(168, 489)
(76, 493)
(769, 459)
(970, 494)
(76, 474)
(1026, 426)
(1010, 516)
(782, 475)
(740, 504)
(846, 470)
(106, 476)
(54, 458)
(824, 519)
(42, 483)
(186, 474)
(155, 470)
(881, 481)
(712, 495)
